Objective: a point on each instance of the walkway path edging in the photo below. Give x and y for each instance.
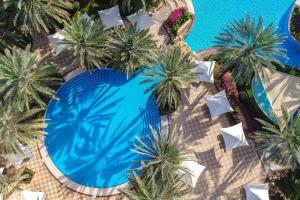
(73, 185)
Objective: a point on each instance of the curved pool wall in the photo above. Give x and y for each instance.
(261, 98)
(93, 124)
(213, 15)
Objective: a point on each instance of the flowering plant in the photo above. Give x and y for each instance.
(176, 18)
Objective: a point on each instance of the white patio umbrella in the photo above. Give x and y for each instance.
(218, 104)
(1, 171)
(28, 195)
(194, 170)
(234, 137)
(257, 192)
(54, 39)
(141, 19)
(110, 17)
(205, 70)
(17, 160)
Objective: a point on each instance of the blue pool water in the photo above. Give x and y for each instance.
(213, 15)
(261, 98)
(92, 126)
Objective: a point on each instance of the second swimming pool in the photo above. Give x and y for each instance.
(213, 15)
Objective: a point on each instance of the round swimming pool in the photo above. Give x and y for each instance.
(213, 15)
(93, 123)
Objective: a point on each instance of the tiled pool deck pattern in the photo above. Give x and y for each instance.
(225, 174)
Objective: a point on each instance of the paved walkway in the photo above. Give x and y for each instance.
(158, 30)
(226, 172)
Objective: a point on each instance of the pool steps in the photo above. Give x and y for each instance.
(83, 83)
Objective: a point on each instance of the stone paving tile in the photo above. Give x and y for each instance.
(159, 33)
(226, 172)
(45, 182)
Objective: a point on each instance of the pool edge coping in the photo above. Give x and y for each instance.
(65, 181)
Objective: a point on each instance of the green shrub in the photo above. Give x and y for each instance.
(289, 184)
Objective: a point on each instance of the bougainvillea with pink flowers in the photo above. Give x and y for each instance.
(240, 113)
(176, 18)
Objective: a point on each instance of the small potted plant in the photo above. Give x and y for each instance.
(179, 22)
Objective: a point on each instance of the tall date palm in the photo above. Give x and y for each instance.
(10, 181)
(169, 76)
(247, 46)
(39, 15)
(86, 42)
(19, 128)
(148, 188)
(132, 49)
(26, 79)
(281, 141)
(10, 35)
(163, 153)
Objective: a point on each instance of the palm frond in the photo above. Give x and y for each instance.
(26, 79)
(247, 47)
(132, 49)
(86, 42)
(281, 141)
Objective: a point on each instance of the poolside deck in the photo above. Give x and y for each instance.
(226, 172)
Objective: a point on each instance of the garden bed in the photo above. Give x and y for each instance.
(179, 22)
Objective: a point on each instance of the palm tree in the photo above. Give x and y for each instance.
(9, 34)
(132, 49)
(9, 181)
(163, 153)
(169, 76)
(86, 41)
(26, 79)
(148, 188)
(247, 47)
(38, 15)
(130, 6)
(281, 142)
(19, 128)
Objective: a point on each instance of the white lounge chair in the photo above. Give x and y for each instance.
(110, 17)
(234, 137)
(218, 104)
(205, 70)
(141, 19)
(194, 170)
(17, 160)
(28, 195)
(257, 192)
(54, 39)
